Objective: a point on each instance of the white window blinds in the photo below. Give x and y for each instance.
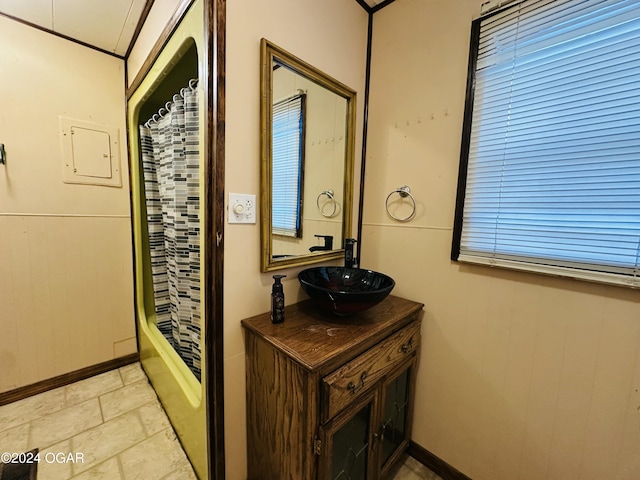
(287, 158)
(553, 172)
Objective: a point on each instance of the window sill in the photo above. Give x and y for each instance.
(556, 271)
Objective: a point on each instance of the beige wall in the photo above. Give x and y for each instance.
(521, 376)
(65, 256)
(331, 35)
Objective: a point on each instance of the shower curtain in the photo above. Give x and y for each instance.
(170, 159)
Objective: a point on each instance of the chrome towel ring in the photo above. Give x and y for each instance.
(330, 194)
(404, 192)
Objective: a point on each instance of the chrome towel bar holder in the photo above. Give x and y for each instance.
(330, 194)
(403, 192)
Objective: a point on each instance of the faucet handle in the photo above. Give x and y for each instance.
(349, 257)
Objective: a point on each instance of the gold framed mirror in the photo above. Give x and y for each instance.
(307, 144)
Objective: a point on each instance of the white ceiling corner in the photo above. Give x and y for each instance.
(107, 25)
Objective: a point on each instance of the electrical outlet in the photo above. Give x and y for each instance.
(242, 208)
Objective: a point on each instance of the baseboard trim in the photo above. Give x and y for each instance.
(435, 464)
(66, 379)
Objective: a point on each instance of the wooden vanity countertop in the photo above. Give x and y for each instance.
(316, 339)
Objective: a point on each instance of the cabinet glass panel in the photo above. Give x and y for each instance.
(394, 424)
(351, 447)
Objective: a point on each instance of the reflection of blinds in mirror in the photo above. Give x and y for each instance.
(287, 166)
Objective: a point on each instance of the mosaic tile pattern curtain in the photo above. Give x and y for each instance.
(170, 158)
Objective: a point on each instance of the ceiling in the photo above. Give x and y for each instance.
(106, 24)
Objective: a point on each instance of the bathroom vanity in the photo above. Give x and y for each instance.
(330, 397)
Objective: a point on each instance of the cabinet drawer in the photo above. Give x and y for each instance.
(345, 384)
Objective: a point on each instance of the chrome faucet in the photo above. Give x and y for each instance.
(350, 260)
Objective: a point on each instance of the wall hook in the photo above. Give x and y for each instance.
(3, 155)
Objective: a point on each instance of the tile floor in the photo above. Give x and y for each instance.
(111, 427)
(411, 469)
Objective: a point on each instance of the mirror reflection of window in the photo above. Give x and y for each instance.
(288, 165)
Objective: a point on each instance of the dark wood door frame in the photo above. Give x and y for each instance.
(215, 29)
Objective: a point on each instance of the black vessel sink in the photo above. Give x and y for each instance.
(345, 291)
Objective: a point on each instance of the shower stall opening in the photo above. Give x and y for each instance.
(169, 144)
(168, 162)
(167, 127)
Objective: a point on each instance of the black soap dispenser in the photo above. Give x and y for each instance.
(277, 300)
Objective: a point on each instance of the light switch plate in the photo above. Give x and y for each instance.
(242, 208)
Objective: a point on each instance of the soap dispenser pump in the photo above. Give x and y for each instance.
(277, 300)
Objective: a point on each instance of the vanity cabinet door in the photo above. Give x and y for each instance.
(346, 444)
(396, 415)
(364, 441)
